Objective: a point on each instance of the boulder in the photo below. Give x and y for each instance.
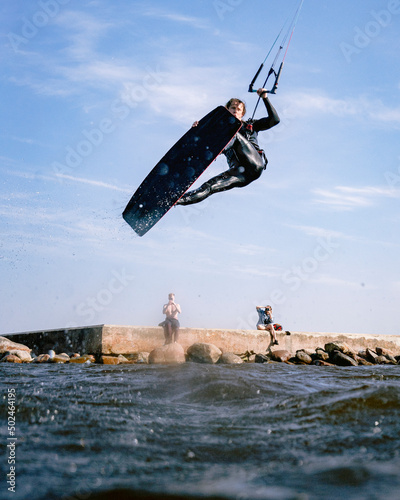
(169, 354)
(339, 346)
(42, 358)
(204, 353)
(341, 359)
(123, 360)
(143, 357)
(109, 360)
(7, 345)
(380, 351)
(60, 358)
(261, 358)
(137, 357)
(280, 355)
(321, 362)
(383, 360)
(371, 355)
(228, 358)
(24, 356)
(362, 361)
(304, 357)
(10, 358)
(321, 354)
(83, 359)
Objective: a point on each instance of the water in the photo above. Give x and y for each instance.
(253, 431)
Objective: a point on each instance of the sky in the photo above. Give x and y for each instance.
(94, 93)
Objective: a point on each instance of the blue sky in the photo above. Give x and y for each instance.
(93, 95)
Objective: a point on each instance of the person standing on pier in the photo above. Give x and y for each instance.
(171, 324)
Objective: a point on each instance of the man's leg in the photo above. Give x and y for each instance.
(168, 332)
(271, 330)
(227, 180)
(249, 169)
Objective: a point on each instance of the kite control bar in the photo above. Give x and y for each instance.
(285, 42)
(271, 71)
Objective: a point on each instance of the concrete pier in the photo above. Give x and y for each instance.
(117, 339)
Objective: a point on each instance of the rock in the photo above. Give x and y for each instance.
(109, 360)
(341, 359)
(228, 358)
(261, 358)
(10, 358)
(42, 358)
(362, 361)
(143, 357)
(137, 357)
(51, 353)
(24, 356)
(60, 358)
(303, 356)
(170, 354)
(83, 359)
(122, 360)
(371, 355)
(280, 355)
(383, 360)
(339, 346)
(321, 362)
(321, 354)
(380, 351)
(7, 345)
(204, 353)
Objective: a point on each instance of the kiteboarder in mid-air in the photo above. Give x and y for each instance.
(245, 158)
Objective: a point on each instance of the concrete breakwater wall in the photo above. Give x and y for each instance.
(116, 339)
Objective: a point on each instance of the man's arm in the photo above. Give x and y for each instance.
(271, 119)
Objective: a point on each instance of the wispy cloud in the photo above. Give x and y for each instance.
(306, 103)
(58, 177)
(92, 182)
(193, 22)
(319, 232)
(351, 198)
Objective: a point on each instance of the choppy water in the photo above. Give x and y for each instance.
(256, 431)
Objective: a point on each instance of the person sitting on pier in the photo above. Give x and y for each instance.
(171, 324)
(266, 322)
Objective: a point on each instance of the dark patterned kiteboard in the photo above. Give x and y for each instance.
(179, 168)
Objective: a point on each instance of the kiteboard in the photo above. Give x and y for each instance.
(179, 168)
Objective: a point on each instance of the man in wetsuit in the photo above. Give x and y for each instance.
(245, 158)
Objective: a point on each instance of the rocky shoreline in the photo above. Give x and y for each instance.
(335, 353)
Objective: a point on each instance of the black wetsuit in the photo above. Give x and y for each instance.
(245, 158)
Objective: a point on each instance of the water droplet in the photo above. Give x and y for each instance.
(162, 169)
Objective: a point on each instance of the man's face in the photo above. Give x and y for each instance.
(237, 110)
